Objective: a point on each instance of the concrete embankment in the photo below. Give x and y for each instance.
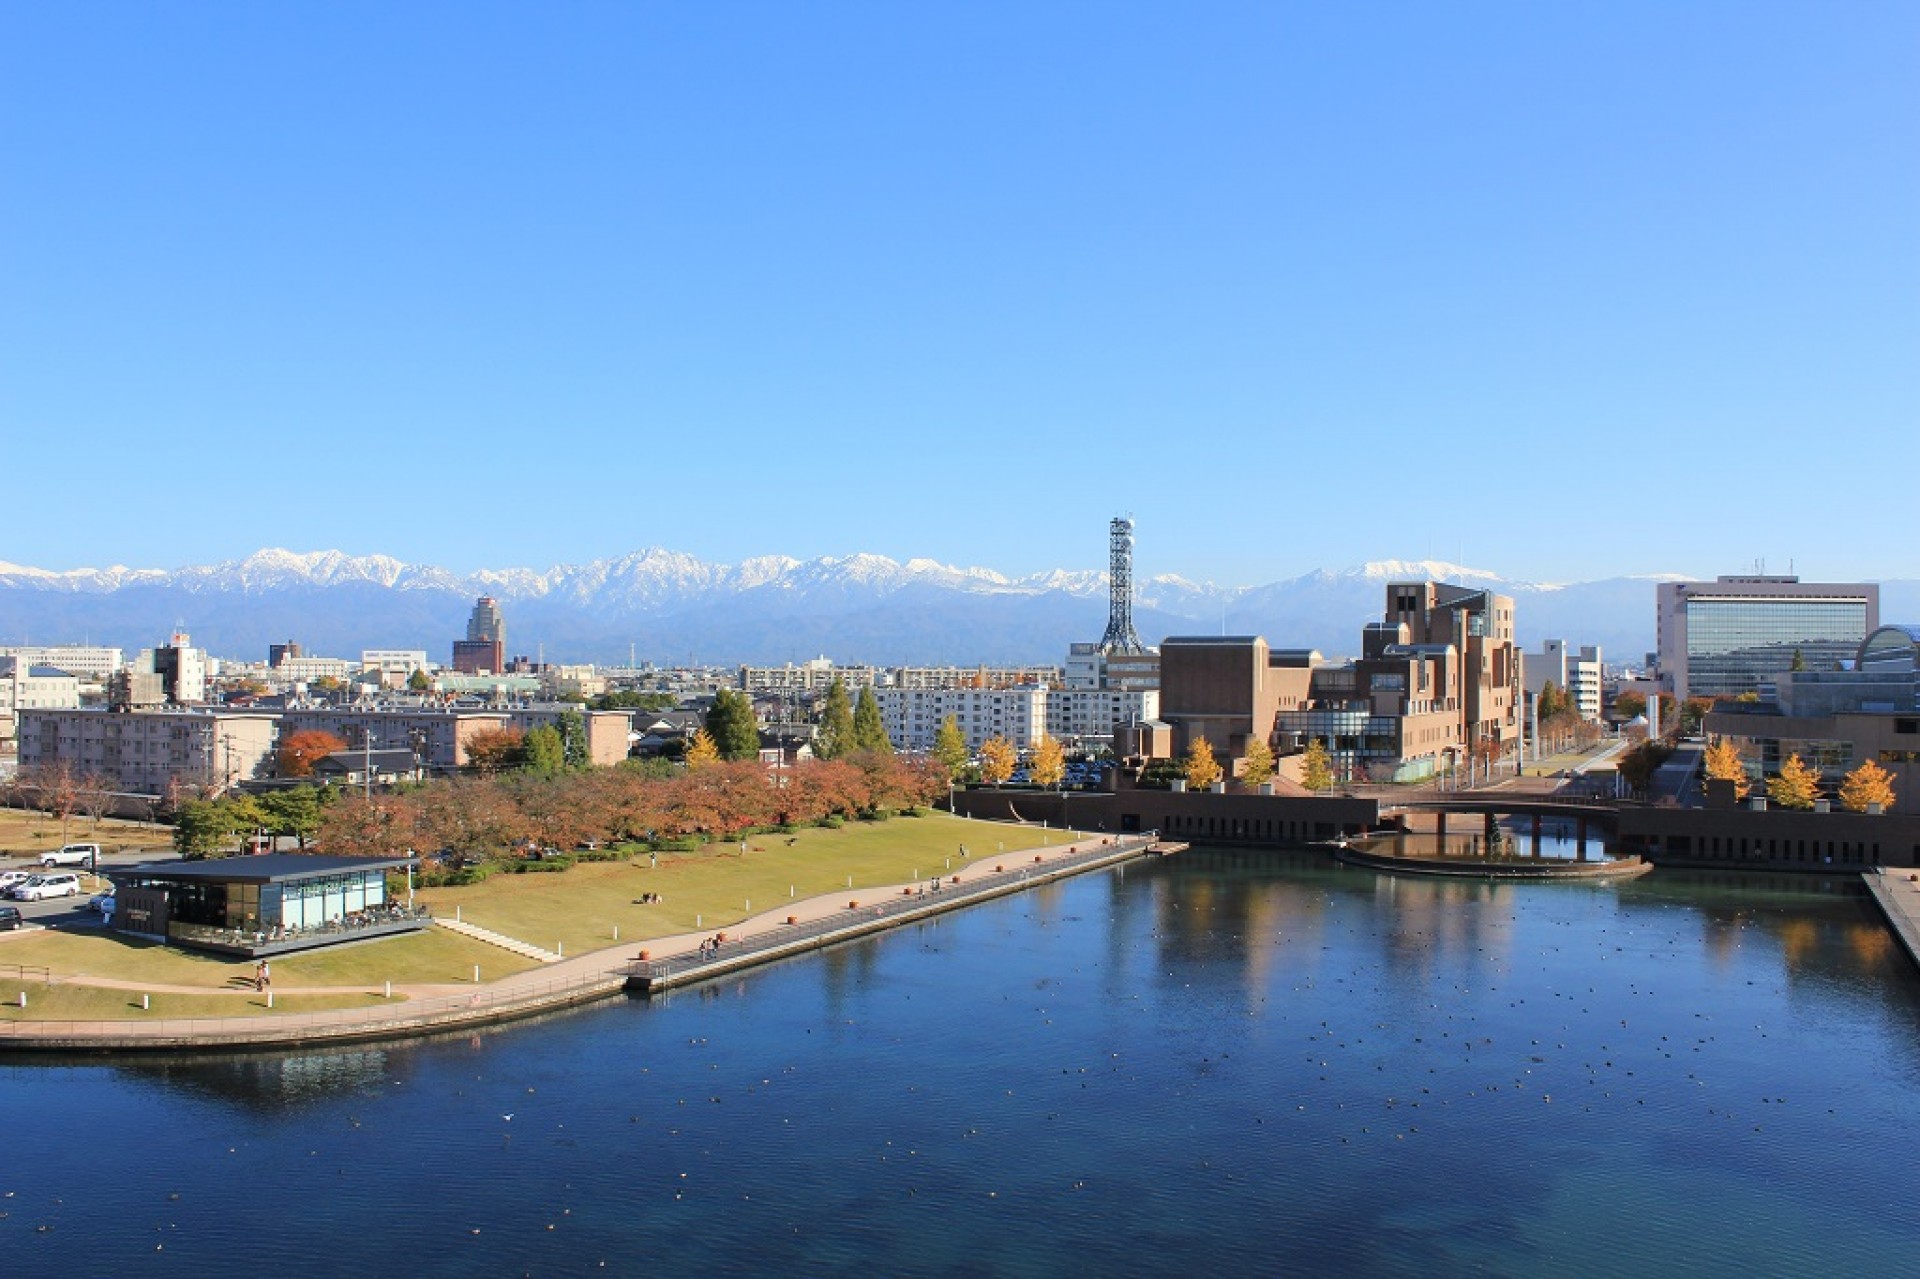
(822, 921)
(1898, 893)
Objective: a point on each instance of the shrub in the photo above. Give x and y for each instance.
(833, 821)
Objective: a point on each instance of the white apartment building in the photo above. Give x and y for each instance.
(1085, 718)
(394, 661)
(307, 670)
(913, 715)
(32, 687)
(969, 676)
(1576, 672)
(812, 676)
(86, 660)
(146, 752)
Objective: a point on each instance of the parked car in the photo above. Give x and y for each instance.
(72, 855)
(59, 884)
(10, 917)
(8, 878)
(102, 902)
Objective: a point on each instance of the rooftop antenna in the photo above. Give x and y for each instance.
(1120, 636)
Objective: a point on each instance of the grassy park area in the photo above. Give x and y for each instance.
(719, 885)
(24, 832)
(578, 908)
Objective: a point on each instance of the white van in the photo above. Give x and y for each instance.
(61, 883)
(72, 855)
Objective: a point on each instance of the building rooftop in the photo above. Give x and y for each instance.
(269, 868)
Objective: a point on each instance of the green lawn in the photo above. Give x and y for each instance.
(428, 957)
(580, 907)
(100, 1003)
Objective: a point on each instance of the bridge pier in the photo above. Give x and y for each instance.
(1536, 836)
(1440, 830)
(1581, 844)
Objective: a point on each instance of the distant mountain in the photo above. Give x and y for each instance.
(671, 607)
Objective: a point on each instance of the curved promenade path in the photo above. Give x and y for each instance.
(670, 961)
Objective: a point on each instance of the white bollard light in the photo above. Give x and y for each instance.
(146, 1003)
(476, 972)
(389, 990)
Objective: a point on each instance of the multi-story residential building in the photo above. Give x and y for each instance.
(1086, 718)
(913, 715)
(968, 676)
(152, 752)
(310, 670)
(402, 662)
(610, 734)
(25, 686)
(183, 669)
(1734, 635)
(811, 676)
(89, 662)
(1575, 672)
(437, 736)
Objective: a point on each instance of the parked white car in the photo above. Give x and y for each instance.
(9, 878)
(72, 855)
(59, 884)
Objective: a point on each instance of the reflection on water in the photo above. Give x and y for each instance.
(1514, 842)
(1239, 1060)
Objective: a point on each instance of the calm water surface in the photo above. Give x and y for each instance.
(1240, 1064)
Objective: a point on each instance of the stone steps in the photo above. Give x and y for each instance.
(501, 940)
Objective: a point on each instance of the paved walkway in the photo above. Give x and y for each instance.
(1899, 896)
(427, 1007)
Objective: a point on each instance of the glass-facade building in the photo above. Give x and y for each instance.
(1738, 635)
(263, 905)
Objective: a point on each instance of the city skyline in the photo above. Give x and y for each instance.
(1540, 291)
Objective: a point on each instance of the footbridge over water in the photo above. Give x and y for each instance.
(1486, 808)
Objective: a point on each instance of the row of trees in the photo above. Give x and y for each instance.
(1797, 784)
(718, 799)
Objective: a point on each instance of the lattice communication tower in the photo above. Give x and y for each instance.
(1120, 637)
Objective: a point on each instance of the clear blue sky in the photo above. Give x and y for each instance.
(1565, 289)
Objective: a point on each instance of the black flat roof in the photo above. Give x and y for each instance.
(267, 868)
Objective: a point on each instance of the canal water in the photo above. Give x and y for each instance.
(1224, 1063)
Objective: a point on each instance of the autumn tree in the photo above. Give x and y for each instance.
(1795, 785)
(94, 792)
(1256, 766)
(732, 727)
(1867, 784)
(869, 731)
(702, 751)
(1628, 705)
(357, 826)
(1049, 763)
(1316, 769)
(54, 788)
(835, 735)
(1724, 764)
(997, 760)
(1200, 768)
(494, 750)
(1550, 701)
(950, 746)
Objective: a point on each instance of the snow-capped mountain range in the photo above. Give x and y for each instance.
(669, 607)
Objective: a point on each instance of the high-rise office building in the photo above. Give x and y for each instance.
(484, 650)
(1734, 635)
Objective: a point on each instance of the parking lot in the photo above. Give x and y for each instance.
(71, 912)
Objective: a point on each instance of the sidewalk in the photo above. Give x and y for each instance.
(430, 1007)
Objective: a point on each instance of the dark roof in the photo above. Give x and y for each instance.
(268, 868)
(392, 760)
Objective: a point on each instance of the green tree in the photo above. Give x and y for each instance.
(1550, 702)
(543, 752)
(950, 746)
(835, 737)
(294, 811)
(731, 725)
(1200, 767)
(1316, 769)
(1795, 785)
(572, 727)
(419, 681)
(1867, 784)
(1799, 662)
(1256, 767)
(206, 827)
(869, 732)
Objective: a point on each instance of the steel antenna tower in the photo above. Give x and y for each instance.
(1120, 637)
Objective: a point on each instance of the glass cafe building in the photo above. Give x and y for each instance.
(265, 905)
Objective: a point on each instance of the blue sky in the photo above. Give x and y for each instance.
(1563, 290)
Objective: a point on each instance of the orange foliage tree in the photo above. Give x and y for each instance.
(300, 751)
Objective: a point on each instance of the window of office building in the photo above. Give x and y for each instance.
(1736, 645)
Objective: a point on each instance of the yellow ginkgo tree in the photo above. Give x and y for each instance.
(1865, 785)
